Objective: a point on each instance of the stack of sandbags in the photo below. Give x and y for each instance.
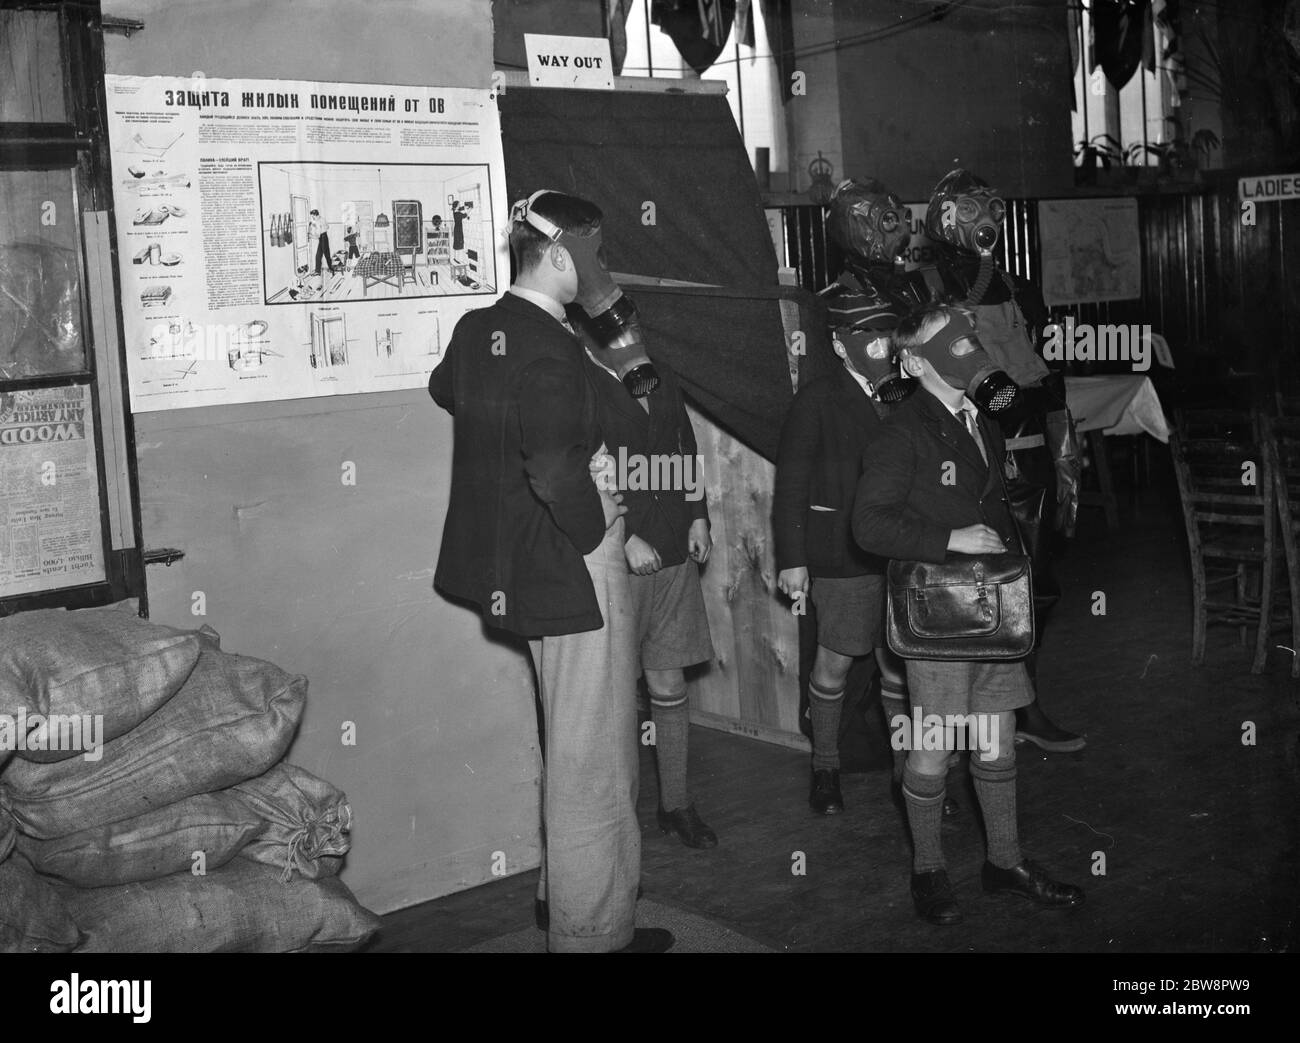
(185, 832)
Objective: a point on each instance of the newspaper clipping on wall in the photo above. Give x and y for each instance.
(50, 531)
(287, 239)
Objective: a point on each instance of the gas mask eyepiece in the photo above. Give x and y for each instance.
(608, 314)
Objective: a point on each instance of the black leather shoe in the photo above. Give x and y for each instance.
(1053, 740)
(950, 806)
(1029, 880)
(825, 797)
(688, 825)
(932, 895)
(649, 939)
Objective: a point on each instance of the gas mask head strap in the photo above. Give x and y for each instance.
(522, 211)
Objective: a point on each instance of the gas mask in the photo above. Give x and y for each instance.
(966, 213)
(868, 222)
(610, 316)
(956, 355)
(871, 356)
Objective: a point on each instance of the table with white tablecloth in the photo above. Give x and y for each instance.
(1117, 404)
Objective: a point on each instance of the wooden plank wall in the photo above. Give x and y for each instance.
(752, 686)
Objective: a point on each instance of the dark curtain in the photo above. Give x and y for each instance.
(680, 202)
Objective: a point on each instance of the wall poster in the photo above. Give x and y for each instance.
(287, 239)
(50, 527)
(1091, 250)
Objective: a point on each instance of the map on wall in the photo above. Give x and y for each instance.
(1091, 250)
(288, 239)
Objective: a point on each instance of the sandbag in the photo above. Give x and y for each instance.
(96, 661)
(241, 907)
(233, 718)
(33, 917)
(155, 844)
(307, 822)
(8, 834)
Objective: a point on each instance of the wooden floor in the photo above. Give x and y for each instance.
(1198, 830)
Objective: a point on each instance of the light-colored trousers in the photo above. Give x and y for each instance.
(591, 864)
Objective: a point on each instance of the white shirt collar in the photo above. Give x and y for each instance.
(548, 304)
(964, 404)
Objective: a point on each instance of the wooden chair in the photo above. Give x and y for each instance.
(1226, 485)
(1284, 445)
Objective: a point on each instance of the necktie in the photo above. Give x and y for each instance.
(972, 426)
(565, 324)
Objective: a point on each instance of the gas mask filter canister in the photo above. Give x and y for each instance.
(611, 318)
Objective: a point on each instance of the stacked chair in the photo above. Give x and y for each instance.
(1283, 444)
(1224, 462)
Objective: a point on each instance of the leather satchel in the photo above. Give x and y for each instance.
(970, 607)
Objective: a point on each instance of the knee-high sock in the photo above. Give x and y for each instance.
(924, 797)
(995, 786)
(893, 700)
(825, 706)
(670, 713)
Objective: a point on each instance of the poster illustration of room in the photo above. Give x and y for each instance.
(362, 231)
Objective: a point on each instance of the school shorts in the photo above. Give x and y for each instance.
(672, 629)
(850, 613)
(961, 686)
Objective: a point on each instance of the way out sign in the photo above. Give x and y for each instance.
(569, 61)
(1266, 188)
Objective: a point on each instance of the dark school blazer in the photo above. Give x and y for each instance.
(523, 509)
(829, 426)
(661, 517)
(904, 509)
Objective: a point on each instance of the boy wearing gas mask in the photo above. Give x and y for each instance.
(930, 486)
(964, 220)
(659, 475)
(830, 423)
(531, 539)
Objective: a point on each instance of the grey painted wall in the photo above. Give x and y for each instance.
(330, 580)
